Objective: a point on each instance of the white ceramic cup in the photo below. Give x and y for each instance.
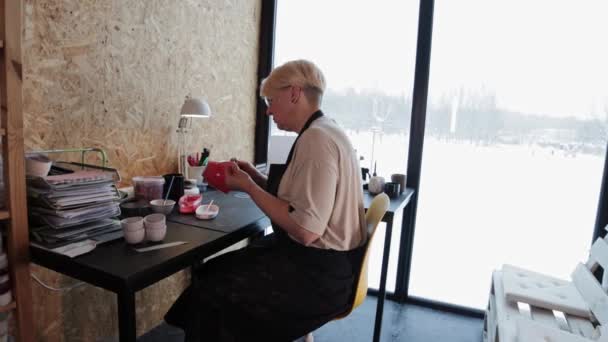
(132, 223)
(37, 165)
(134, 236)
(156, 234)
(155, 220)
(376, 185)
(196, 172)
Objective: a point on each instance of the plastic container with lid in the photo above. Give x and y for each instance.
(148, 188)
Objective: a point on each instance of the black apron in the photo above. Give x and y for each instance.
(275, 289)
(276, 172)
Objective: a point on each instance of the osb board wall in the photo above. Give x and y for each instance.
(113, 74)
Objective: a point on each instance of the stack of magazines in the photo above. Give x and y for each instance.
(73, 212)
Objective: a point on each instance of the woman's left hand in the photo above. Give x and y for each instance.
(237, 179)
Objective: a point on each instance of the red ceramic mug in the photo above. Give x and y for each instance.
(215, 175)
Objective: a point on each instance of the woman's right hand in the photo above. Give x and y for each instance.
(237, 178)
(246, 166)
(249, 169)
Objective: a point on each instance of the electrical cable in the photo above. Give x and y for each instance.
(64, 289)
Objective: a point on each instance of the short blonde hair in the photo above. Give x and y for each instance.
(302, 73)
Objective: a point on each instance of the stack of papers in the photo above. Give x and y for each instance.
(66, 210)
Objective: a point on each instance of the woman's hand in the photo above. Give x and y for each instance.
(255, 175)
(237, 178)
(245, 166)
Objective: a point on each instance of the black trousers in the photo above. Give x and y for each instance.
(272, 290)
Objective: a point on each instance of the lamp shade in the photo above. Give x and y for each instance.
(196, 108)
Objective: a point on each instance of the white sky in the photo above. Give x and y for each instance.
(538, 56)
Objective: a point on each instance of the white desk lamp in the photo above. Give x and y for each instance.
(191, 109)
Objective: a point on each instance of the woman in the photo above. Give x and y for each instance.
(292, 281)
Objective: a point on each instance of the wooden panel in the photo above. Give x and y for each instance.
(113, 74)
(533, 331)
(4, 214)
(12, 121)
(580, 326)
(544, 317)
(490, 323)
(592, 292)
(521, 285)
(598, 254)
(505, 319)
(506, 312)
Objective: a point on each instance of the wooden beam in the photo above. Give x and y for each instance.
(14, 166)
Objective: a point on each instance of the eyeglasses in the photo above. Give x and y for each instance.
(268, 100)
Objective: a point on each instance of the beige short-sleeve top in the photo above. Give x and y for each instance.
(323, 186)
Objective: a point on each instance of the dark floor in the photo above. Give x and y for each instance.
(401, 323)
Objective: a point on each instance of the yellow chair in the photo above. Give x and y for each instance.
(373, 216)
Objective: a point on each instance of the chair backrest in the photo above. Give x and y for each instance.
(373, 216)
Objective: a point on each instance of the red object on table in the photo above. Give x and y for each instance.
(189, 203)
(215, 175)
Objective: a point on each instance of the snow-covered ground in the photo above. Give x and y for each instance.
(483, 206)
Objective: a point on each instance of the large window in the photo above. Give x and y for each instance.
(516, 129)
(366, 51)
(508, 150)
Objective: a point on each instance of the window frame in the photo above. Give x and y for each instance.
(417, 131)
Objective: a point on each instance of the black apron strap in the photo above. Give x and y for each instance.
(276, 171)
(309, 122)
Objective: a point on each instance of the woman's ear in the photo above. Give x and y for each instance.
(295, 94)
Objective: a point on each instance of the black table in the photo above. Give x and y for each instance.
(396, 208)
(116, 267)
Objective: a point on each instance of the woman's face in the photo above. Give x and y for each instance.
(280, 107)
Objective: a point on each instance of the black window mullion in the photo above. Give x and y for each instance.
(414, 161)
(601, 219)
(265, 62)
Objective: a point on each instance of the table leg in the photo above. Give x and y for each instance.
(383, 275)
(126, 316)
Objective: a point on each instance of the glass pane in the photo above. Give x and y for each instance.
(367, 53)
(515, 142)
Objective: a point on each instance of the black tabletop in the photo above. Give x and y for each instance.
(237, 210)
(396, 203)
(116, 266)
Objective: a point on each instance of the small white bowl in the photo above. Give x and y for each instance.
(156, 234)
(161, 206)
(206, 212)
(132, 223)
(134, 236)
